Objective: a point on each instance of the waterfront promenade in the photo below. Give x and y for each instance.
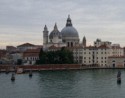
(4, 68)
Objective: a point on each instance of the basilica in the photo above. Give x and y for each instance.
(101, 53)
(68, 37)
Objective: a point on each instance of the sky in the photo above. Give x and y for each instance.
(23, 21)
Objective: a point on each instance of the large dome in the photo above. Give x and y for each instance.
(69, 31)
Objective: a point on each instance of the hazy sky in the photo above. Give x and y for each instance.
(23, 20)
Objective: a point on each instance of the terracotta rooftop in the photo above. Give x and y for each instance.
(2, 53)
(10, 47)
(116, 47)
(32, 50)
(26, 45)
(90, 47)
(31, 53)
(103, 46)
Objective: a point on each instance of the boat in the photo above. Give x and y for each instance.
(13, 77)
(19, 70)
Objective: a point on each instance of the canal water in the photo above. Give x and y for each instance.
(98, 83)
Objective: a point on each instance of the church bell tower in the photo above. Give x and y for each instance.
(45, 35)
(84, 41)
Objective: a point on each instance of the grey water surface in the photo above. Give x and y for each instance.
(98, 83)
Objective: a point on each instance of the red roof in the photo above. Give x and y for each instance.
(2, 53)
(31, 53)
(10, 47)
(26, 45)
(32, 50)
(103, 46)
(116, 47)
(90, 47)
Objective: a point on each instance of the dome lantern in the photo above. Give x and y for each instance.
(69, 21)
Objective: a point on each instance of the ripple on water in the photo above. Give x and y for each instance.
(64, 84)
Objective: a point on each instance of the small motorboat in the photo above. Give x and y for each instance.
(19, 70)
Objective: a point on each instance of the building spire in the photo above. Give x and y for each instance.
(69, 16)
(55, 27)
(45, 35)
(45, 28)
(84, 41)
(69, 22)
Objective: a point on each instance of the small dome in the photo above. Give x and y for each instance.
(55, 32)
(69, 32)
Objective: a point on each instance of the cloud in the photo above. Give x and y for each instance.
(24, 20)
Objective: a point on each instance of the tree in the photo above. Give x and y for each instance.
(63, 56)
(19, 61)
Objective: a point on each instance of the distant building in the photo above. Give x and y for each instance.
(102, 53)
(77, 53)
(26, 46)
(116, 61)
(15, 56)
(30, 56)
(11, 49)
(99, 53)
(3, 54)
(68, 37)
(98, 43)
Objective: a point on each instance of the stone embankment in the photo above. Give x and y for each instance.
(50, 67)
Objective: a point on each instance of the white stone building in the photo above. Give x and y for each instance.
(116, 61)
(68, 37)
(30, 56)
(25, 46)
(99, 53)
